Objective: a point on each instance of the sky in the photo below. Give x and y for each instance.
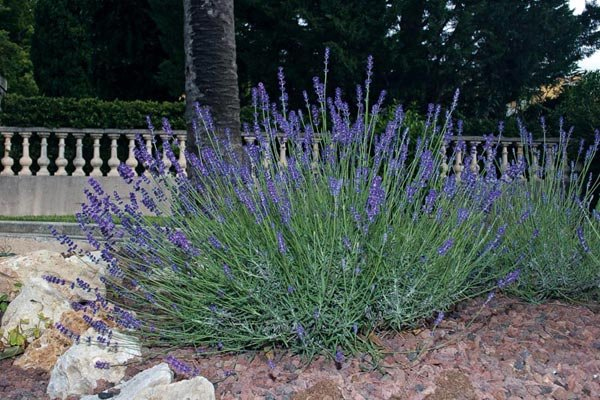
(593, 62)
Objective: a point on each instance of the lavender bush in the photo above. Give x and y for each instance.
(312, 252)
(549, 231)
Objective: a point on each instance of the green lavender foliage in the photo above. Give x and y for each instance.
(312, 254)
(550, 232)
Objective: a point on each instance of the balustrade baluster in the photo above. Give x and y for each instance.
(78, 161)
(458, 161)
(96, 161)
(520, 160)
(282, 151)
(43, 161)
(504, 163)
(61, 161)
(7, 161)
(444, 166)
(25, 161)
(315, 153)
(182, 139)
(113, 161)
(131, 161)
(474, 161)
(165, 159)
(148, 140)
(535, 167)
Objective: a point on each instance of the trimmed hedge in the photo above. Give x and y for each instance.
(56, 112)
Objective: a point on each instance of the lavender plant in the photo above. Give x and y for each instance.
(546, 208)
(344, 235)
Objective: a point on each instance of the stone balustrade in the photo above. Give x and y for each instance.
(44, 171)
(52, 145)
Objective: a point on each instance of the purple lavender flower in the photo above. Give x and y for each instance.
(376, 199)
(102, 365)
(439, 318)
(430, 201)
(339, 356)
(281, 243)
(582, 241)
(126, 172)
(54, 279)
(227, 272)
(271, 364)
(445, 247)
(462, 215)
(179, 239)
(181, 367)
(508, 279)
(300, 331)
(214, 242)
(335, 185)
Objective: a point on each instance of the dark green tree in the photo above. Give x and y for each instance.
(61, 48)
(126, 51)
(168, 17)
(16, 29)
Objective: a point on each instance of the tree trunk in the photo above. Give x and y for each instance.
(210, 66)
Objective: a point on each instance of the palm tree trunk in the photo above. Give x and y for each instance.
(210, 66)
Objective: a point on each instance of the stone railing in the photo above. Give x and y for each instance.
(23, 163)
(43, 171)
(51, 160)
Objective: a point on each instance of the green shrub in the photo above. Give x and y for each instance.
(57, 112)
(313, 255)
(549, 236)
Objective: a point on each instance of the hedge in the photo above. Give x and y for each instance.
(56, 112)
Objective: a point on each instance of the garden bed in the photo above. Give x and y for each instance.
(512, 350)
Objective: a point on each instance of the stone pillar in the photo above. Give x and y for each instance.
(458, 161)
(25, 161)
(283, 151)
(78, 161)
(96, 161)
(131, 161)
(113, 161)
(182, 139)
(61, 161)
(7, 162)
(43, 161)
(444, 165)
(474, 161)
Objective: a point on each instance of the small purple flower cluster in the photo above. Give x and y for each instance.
(445, 247)
(181, 367)
(54, 279)
(102, 364)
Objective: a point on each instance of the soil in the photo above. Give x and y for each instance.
(504, 350)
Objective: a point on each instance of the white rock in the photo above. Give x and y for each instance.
(17, 271)
(75, 372)
(198, 388)
(160, 374)
(37, 307)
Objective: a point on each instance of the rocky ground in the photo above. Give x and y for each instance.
(505, 350)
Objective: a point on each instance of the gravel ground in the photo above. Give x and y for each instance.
(506, 350)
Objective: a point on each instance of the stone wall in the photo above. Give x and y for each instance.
(50, 195)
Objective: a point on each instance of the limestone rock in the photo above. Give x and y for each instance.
(75, 373)
(198, 388)
(17, 271)
(160, 374)
(42, 353)
(36, 308)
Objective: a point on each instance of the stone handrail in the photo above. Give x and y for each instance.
(462, 147)
(78, 162)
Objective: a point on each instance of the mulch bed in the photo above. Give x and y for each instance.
(511, 350)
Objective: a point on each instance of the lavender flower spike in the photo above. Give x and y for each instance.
(508, 279)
